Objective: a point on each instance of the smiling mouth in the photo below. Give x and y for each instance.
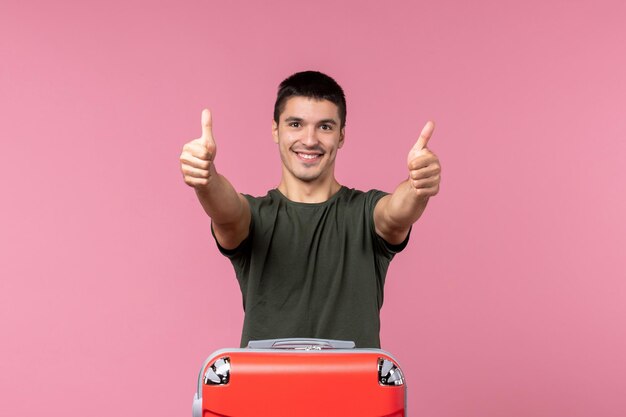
(308, 157)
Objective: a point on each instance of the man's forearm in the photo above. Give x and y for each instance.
(220, 200)
(404, 208)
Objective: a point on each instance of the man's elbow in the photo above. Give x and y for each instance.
(395, 236)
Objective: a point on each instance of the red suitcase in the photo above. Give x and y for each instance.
(300, 378)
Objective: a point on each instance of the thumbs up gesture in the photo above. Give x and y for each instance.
(196, 160)
(424, 168)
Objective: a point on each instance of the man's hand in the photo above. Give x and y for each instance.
(424, 168)
(196, 160)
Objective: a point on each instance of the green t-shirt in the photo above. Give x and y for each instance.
(313, 270)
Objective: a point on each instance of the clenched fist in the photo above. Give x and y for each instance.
(424, 168)
(196, 160)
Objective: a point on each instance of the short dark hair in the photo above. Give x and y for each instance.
(311, 84)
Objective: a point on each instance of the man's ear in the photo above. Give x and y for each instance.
(275, 130)
(342, 135)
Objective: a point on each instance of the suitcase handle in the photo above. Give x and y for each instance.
(299, 343)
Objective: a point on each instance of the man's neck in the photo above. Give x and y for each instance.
(308, 192)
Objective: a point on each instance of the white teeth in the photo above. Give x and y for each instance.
(306, 156)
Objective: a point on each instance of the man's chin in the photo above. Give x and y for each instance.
(307, 177)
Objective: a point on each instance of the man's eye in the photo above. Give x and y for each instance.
(326, 127)
(294, 124)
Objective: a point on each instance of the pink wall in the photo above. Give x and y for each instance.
(511, 297)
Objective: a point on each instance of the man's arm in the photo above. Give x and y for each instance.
(229, 211)
(395, 213)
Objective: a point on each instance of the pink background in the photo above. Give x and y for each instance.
(510, 299)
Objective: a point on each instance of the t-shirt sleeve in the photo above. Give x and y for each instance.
(382, 245)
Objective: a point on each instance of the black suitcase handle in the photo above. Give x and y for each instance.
(300, 343)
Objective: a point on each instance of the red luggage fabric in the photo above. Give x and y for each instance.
(300, 378)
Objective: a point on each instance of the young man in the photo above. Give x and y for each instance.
(311, 256)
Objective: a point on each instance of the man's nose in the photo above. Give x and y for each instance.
(310, 136)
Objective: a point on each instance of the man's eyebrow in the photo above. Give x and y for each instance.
(299, 119)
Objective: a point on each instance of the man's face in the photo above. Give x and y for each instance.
(308, 135)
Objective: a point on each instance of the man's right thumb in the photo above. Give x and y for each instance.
(207, 128)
